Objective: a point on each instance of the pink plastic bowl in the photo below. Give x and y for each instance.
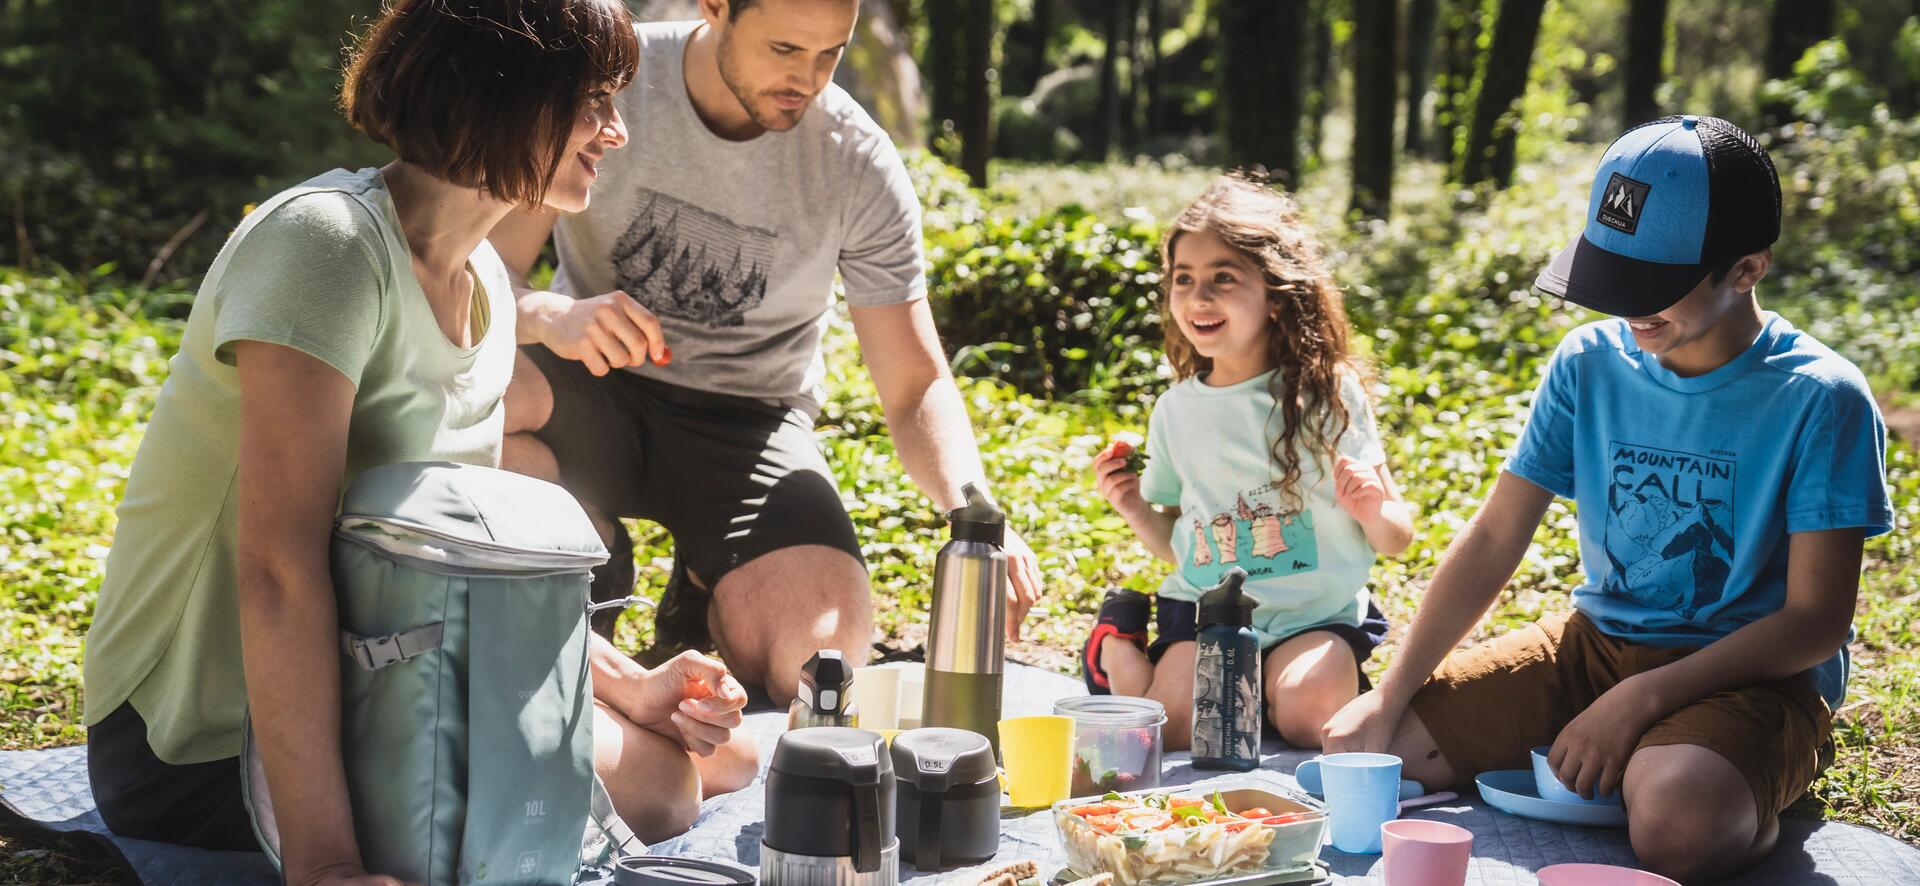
(1599, 875)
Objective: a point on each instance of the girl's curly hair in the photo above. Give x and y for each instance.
(1309, 340)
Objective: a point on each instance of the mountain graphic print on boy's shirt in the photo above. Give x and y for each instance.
(1210, 455)
(1670, 527)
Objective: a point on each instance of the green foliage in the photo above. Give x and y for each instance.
(117, 129)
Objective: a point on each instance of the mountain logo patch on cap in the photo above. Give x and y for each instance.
(1622, 203)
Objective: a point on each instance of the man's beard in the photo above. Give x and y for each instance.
(772, 119)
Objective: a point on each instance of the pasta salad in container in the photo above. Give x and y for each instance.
(1157, 838)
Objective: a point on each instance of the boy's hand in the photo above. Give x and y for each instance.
(1118, 485)
(1590, 755)
(1365, 724)
(1357, 488)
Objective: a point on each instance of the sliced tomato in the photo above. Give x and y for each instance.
(1107, 823)
(1256, 812)
(1183, 802)
(1238, 826)
(1289, 817)
(1094, 809)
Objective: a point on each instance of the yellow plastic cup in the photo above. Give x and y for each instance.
(1039, 759)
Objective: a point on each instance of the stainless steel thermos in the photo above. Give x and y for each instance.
(966, 650)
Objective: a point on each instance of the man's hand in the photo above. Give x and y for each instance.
(1119, 486)
(692, 700)
(1023, 585)
(1591, 754)
(606, 332)
(1366, 723)
(1357, 488)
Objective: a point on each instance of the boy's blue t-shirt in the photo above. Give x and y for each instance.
(1687, 487)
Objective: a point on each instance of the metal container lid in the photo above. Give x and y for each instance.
(1112, 711)
(934, 759)
(660, 870)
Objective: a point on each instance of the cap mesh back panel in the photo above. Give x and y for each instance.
(1744, 190)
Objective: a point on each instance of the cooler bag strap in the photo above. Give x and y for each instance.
(374, 653)
(607, 837)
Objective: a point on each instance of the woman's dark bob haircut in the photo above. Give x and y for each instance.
(484, 93)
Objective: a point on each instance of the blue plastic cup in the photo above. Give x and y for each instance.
(1363, 793)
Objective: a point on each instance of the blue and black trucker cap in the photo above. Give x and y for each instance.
(1672, 198)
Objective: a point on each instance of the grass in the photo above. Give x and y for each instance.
(1438, 295)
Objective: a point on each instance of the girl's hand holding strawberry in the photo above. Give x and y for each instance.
(1118, 485)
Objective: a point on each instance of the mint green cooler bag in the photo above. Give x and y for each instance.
(466, 706)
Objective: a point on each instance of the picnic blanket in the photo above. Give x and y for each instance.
(49, 789)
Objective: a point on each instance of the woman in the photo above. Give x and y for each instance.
(356, 320)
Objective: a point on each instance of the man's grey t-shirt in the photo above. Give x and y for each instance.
(733, 244)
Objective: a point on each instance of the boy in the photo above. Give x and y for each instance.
(1727, 468)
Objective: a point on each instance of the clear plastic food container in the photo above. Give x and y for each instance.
(1151, 838)
(1116, 742)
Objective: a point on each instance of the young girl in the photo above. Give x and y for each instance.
(1263, 455)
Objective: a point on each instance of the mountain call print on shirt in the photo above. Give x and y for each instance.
(1670, 527)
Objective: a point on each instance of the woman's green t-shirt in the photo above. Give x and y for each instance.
(322, 268)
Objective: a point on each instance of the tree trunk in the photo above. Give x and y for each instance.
(1261, 84)
(1130, 99)
(1422, 21)
(1646, 60)
(1042, 38)
(1797, 25)
(976, 128)
(1156, 119)
(1460, 55)
(1320, 71)
(1490, 141)
(1376, 83)
(1101, 144)
(946, 65)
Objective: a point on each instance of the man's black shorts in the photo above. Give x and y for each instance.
(732, 478)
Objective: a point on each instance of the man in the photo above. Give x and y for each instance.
(675, 371)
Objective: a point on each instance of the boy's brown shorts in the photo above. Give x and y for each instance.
(1488, 706)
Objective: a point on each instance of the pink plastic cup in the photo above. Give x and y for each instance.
(1599, 875)
(1425, 853)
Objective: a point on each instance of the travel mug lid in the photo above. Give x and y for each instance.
(1226, 603)
(934, 758)
(836, 753)
(660, 870)
(979, 520)
(825, 681)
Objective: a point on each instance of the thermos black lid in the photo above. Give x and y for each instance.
(1226, 603)
(659, 870)
(837, 753)
(825, 681)
(979, 520)
(935, 758)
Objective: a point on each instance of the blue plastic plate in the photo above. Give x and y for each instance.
(1512, 791)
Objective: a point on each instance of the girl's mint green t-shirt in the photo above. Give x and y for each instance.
(322, 268)
(1210, 454)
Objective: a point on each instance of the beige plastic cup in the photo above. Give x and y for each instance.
(913, 692)
(877, 692)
